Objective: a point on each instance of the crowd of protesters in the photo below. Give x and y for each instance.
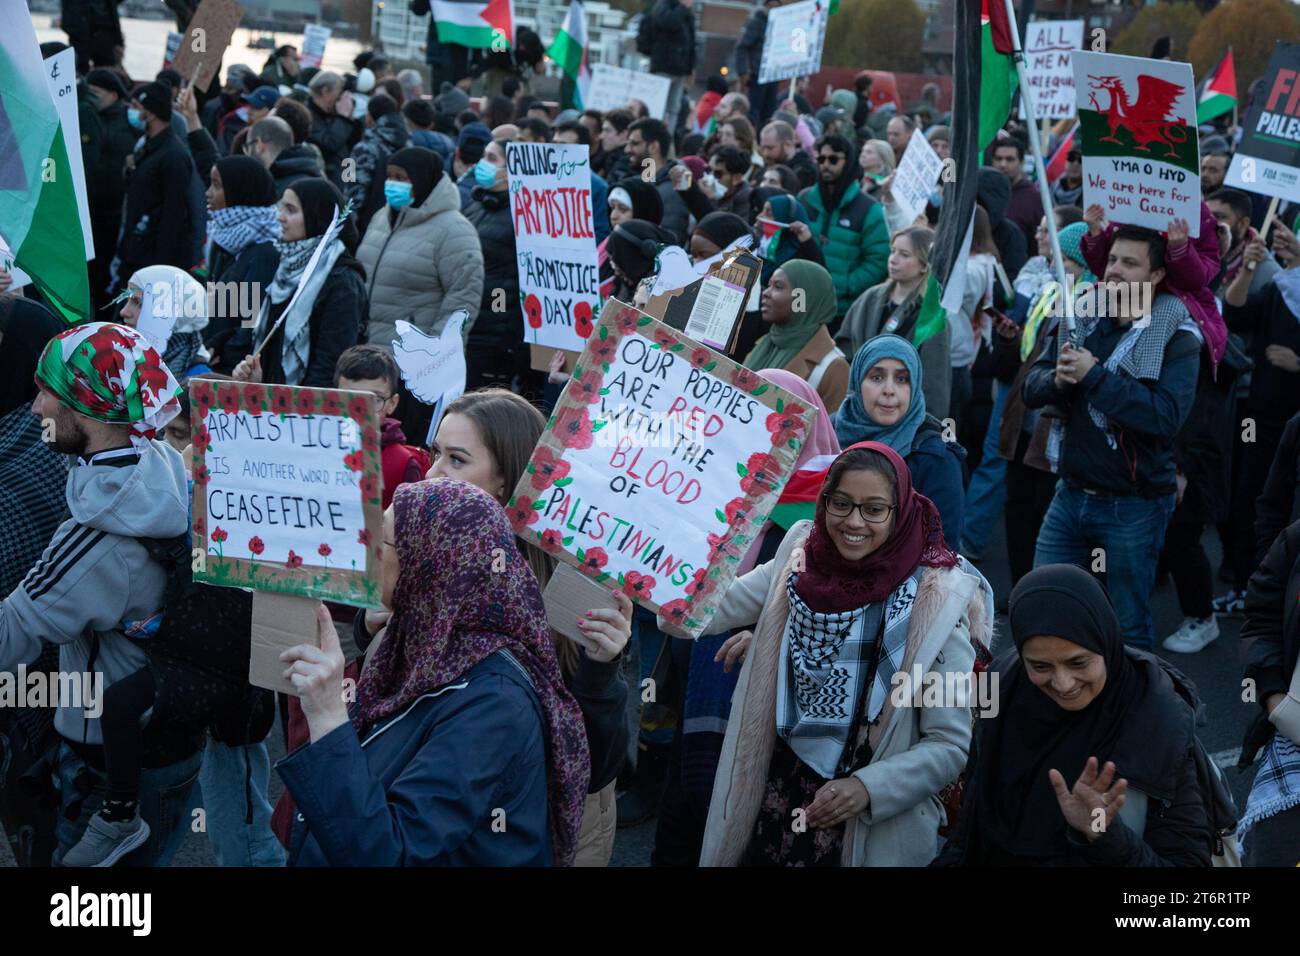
(1153, 423)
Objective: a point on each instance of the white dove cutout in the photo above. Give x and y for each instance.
(433, 367)
(675, 271)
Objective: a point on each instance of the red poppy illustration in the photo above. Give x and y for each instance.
(588, 385)
(359, 409)
(354, 460)
(204, 397)
(573, 427)
(324, 550)
(331, 403)
(626, 321)
(675, 612)
(255, 545)
(370, 439)
(700, 584)
(547, 469)
(551, 541)
(701, 357)
(281, 401)
(229, 399)
(304, 402)
(254, 399)
(522, 513)
(582, 319)
(721, 546)
(637, 585)
(369, 487)
(665, 338)
(785, 425)
(533, 310)
(594, 560)
(762, 474)
(363, 538)
(745, 380)
(294, 560)
(736, 508)
(604, 350)
(201, 475)
(200, 526)
(201, 440)
(219, 535)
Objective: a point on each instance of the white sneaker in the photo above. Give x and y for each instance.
(1193, 635)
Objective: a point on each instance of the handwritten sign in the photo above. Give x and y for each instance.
(61, 75)
(612, 87)
(287, 486)
(916, 175)
(1267, 160)
(555, 242)
(1048, 73)
(662, 460)
(202, 45)
(792, 45)
(314, 38)
(1137, 132)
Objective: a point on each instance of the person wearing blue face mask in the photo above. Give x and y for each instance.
(156, 225)
(422, 260)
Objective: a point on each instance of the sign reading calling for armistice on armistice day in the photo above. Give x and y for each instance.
(792, 45)
(1048, 48)
(661, 462)
(1137, 131)
(1267, 160)
(287, 486)
(555, 241)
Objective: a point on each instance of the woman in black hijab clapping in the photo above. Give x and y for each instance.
(1090, 758)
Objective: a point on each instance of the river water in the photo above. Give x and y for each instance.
(147, 39)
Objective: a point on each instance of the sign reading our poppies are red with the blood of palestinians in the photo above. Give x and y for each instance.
(287, 489)
(555, 242)
(660, 464)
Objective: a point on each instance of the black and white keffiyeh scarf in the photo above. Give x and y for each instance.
(826, 658)
(235, 228)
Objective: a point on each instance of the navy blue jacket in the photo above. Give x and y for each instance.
(937, 473)
(456, 779)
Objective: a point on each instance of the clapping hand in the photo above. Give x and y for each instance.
(1092, 803)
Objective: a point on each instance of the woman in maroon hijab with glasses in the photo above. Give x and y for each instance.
(824, 763)
(464, 747)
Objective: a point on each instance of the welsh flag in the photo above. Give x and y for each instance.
(569, 51)
(1218, 92)
(39, 220)
(799, 497)
(475, 23)
(984, 85)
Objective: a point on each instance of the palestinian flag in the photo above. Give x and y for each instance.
(1056, 165)
(475, 23)
(798, 499)
(772, 232)
(984, 83)
(569, 51)
(1218, 92)
(39, 219)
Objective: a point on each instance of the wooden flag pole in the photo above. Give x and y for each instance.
(1263, 230)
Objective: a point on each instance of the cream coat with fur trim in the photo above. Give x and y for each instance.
(916, 751)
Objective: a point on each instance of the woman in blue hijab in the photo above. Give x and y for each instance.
(794, 240)
(886, 404)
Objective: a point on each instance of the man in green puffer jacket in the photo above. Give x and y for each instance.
(849, 224)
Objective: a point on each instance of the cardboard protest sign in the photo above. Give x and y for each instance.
(61, 74)
(711, 308)
(314, 38)
(916, 176)
(1137, 132)
(555, 242)
(1267, 160)
(202, 45)
(612, 87)
(660, 464)
(173, 46)
(1048, 73)
(287, 485)
(279, 622)
(792, 45)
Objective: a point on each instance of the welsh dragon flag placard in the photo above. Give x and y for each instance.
(1137, 132)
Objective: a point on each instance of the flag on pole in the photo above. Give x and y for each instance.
(474, 23)
(984, 82)
(38, 201)
(1056, 165)
(569, 51)
(1218, 92)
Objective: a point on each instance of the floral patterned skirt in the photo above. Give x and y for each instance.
(791, 785)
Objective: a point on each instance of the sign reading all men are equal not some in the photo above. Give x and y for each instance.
(287, 489)
(661, 462)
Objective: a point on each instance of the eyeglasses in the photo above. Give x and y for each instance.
(830, 160)
(873, 512)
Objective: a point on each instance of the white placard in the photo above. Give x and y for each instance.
(612, 87)
(792, 45)
(915, 177)
(314, 38)
(61, 75)
(433, 367)
(1048, 71)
